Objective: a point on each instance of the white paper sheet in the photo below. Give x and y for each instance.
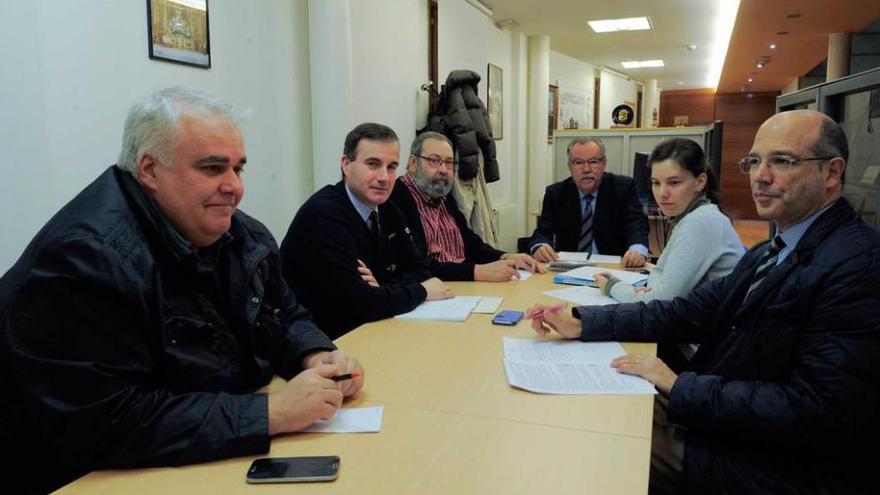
(561, 351)
(582, 296)
(354, 420)
(574, 379)
(572, 256)
(594, 258)
(488, 305)
(523, 275)
(457, 308)
(604, 258)
(587, 272)
(568, 367)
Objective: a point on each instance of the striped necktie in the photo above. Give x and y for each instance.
(585, 241)
(375, 228)
(767, 263)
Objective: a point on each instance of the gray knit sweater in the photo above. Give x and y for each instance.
(703, 247)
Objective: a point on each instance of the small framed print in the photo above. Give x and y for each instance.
(495, 101)
(178, 31)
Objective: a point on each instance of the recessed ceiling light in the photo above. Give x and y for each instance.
(772, 46)
(627, 24)
(750, 79)
(638, 64)
(760, 65)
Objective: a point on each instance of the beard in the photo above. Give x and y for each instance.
(436, 188)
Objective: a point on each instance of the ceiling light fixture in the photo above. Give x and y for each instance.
(722, 26)
(640, 64)
(750, 79)
(772, 46)
(614, 25)
(760, 65)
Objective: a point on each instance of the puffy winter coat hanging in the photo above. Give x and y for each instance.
(462, 117)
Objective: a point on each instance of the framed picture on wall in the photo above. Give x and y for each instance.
(552, 112)
(495, 101)
(177, 31)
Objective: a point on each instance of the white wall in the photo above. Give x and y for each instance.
(469, 40)
(72, 68)
(571, 71)
(613, 91)
(389, 63)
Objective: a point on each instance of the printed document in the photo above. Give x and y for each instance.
(569, 367)
(457, 308)
(594, 258)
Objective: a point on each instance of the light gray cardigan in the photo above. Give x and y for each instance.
(703, 247)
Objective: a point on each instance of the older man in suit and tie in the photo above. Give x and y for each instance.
(592, 211)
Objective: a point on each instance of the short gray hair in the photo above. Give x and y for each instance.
(416, 147)
(584, 140)
(152, 124)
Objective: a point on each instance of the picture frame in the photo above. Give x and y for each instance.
(495, 100)
(177, 31)
(552, 111)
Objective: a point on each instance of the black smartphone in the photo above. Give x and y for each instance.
(507, 317)
(292, 469)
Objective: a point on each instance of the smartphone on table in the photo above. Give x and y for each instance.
(507, 317)
(293, 469)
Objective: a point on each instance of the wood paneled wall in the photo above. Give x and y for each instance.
(742, 114)
(697, 104)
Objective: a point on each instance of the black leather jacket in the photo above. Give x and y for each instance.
(119, 347)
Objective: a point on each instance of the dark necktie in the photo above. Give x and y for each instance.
(767, 263)
(585, 241)
(375, 229)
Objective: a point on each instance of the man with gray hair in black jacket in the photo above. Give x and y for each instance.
(138, 324)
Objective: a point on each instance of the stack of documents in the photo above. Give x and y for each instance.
(586, 274)
(569, 260)
(569, 367)
(592, 258)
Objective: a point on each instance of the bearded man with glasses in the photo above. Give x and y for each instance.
(592, 211)
(438, 227)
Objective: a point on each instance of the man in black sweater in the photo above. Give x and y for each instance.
(438, 227)
(348, 254)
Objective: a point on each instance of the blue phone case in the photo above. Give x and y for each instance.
(507, 317)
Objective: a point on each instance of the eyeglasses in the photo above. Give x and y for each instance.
(592, 162)
(776, 163)
(436, 162)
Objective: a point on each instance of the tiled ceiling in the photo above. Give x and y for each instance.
(679, 23)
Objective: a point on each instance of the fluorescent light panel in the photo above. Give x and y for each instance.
(725, 17)
(638, 64)
(627, 24)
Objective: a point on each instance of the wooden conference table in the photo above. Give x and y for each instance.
(451, 423)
